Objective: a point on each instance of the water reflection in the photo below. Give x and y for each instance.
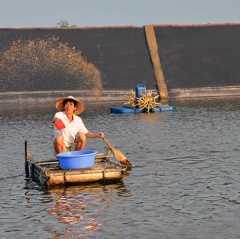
(80, 207)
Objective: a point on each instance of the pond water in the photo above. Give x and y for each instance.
(185, 182)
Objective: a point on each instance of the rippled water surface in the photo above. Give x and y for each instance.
(185, 183)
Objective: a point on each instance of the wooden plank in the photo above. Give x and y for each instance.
(153, 49)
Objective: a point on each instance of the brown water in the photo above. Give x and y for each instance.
(185, 183)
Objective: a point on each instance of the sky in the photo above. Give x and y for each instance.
(48, 13)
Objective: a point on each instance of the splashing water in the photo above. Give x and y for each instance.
(46, 64)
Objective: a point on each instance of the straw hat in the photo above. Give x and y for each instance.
(79, 107)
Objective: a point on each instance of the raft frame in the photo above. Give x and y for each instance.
(48, 172)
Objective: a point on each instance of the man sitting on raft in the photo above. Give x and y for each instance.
(70, 132)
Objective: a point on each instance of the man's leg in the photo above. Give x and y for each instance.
(80, 141)
(58, 144)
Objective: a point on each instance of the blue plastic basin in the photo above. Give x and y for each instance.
(77, 159)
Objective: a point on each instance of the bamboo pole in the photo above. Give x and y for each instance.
(26, 161)
(153, 49)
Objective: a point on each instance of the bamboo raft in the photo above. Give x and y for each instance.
(48, 172)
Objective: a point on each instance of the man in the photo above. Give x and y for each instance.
(70, 132)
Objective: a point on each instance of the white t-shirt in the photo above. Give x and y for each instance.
(71, 128)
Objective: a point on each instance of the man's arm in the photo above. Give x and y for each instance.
(94, 136)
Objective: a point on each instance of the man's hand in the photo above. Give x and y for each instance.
(101, 134)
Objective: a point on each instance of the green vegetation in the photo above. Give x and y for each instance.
(64, 24)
